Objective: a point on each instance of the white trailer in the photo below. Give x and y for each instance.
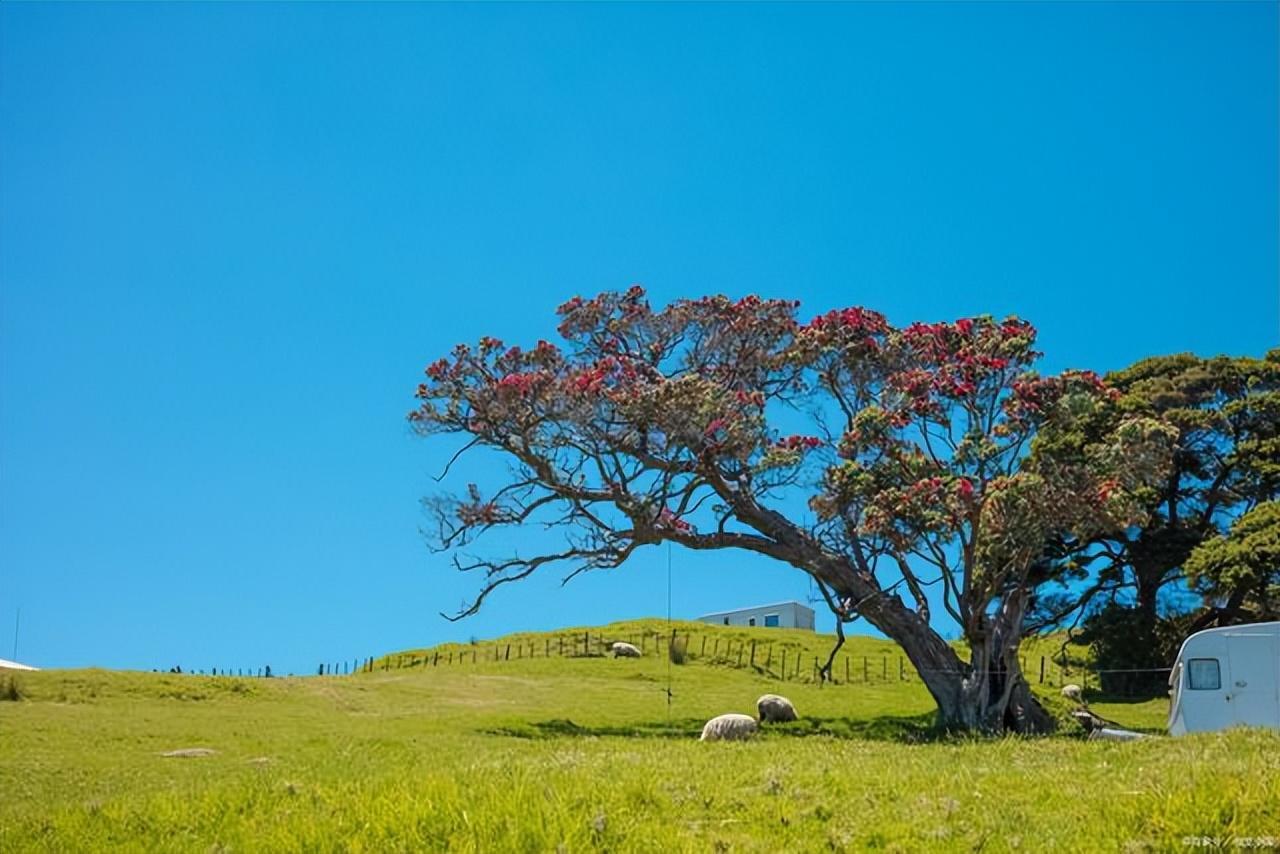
(1226, 677)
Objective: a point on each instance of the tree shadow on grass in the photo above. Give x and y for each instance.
(1123, 699)
(910, 729)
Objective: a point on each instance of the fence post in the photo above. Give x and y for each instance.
(507, 655)
(884, 668)
(784, 664)
(768, 659)
(586, 643)
(703, 653)
(846, 670)
(902, 670)
(739, 655)
(753, 653)
(1042, 670)
(864, 669)
(815, 668)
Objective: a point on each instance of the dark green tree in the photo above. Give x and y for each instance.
(1239, 572)
(1226, 411)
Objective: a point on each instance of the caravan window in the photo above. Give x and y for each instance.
(1203, 674)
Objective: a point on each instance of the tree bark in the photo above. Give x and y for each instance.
(987, 694)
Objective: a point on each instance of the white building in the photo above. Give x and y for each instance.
(5, 664)
(787, 615)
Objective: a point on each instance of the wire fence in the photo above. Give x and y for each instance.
(783, 661)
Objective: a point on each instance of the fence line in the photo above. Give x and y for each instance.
(756, 655)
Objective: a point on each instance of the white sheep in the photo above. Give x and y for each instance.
(1073, 692)
(775, 709)
(730, 727)
(621, 649)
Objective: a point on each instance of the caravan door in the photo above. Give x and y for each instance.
(1200, 699)
(1252, 689)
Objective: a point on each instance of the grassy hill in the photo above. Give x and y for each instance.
(455, 750)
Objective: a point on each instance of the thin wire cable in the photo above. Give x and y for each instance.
(670, 639)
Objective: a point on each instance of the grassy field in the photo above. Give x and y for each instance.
(585, 754)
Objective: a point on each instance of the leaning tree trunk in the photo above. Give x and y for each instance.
(986, 694)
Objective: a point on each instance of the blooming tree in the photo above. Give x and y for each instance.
(928, 463)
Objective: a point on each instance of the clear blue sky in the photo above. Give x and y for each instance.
(231, 236)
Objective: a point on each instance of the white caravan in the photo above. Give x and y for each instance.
(1226, 677)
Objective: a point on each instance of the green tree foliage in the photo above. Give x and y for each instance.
(1226, 413)
(1239, 572)
(660, 425)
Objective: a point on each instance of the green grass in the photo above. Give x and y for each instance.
(584, 753)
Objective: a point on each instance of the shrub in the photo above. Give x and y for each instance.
(10, 688)
(678, 649)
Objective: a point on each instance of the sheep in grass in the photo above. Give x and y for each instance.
(1073, 692)
(621, 649)
(730, 727)
(774, 709)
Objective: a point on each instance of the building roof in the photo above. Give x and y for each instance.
(5, 664)
(756, 608)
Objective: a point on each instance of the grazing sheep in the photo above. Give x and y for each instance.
(1073, 692)
(775, 709)
(624, 650)
(730, 727)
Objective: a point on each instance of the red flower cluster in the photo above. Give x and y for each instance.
(618, 372)
(522, 383)
(1014, 328)
(796, 443)
(1032, 396)
(667, 519)
(861, 320)
(437, 369)
(570, 305)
